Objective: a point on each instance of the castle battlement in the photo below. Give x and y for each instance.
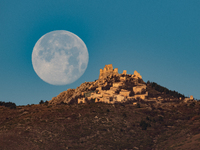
(108, 70)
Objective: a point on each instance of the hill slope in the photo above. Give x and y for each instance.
(100, 126)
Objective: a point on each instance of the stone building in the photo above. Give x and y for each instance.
(124, 93)
(136, 75)
(108, 70)
(139, 88)
(124, 72)
(115, 93)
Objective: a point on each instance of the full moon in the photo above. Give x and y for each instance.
(60, 57)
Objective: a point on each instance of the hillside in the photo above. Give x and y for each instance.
(115, 112)
(100, 126)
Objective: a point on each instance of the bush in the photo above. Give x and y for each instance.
(160, 118)
(192, 104)
(46, 102)
(8, 104)
(144, 125)
(161, 89)
(124, 115)
(147, 118)
(138, 105)
(41, 102)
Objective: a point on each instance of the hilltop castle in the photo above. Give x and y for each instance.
(108, 70)
(112, 87)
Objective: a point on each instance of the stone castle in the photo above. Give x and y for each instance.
(116, 92)
(108, 70)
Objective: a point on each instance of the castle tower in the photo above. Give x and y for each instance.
(116, 70)
(124, 72)
(101, 73)
(108, 70)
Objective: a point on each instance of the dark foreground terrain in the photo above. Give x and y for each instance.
(100, 126)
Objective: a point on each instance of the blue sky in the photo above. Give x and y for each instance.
(159, 39)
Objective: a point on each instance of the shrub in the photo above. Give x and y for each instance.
(192, 104)
(124, 115)
(8, 104)
(161, 89)
(147, 118)
(144, 125)
(46, 103)
(41, 102)
(138, 105)
(160, 118)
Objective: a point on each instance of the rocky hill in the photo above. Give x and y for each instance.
(112, 87)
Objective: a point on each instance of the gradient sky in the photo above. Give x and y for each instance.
(159, 39)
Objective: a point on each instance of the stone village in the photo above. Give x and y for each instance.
(112, 87)
(115, 91)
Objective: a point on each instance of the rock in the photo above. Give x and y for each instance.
(62, 97)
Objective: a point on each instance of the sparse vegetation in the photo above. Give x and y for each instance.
(138, 105)
(162, 90)
(144, 125)
(8, 104)
(99, 126)
(41, 102)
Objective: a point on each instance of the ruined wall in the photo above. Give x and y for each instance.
(125, 93)
(137, 75)
(124, 72)
(116, 70)
(81, 100)
(117, 84)
(108, 70)
(141, 96)
(138, 89)
(122, 79)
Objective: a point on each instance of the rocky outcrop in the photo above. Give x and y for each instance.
(72, 95)
(63, 97)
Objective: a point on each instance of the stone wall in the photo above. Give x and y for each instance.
(141, 96)
(108, 70)
(81, 100)
(137, 75)
(117, 84)
(124, 72)
(124, 93)
(138, 89)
